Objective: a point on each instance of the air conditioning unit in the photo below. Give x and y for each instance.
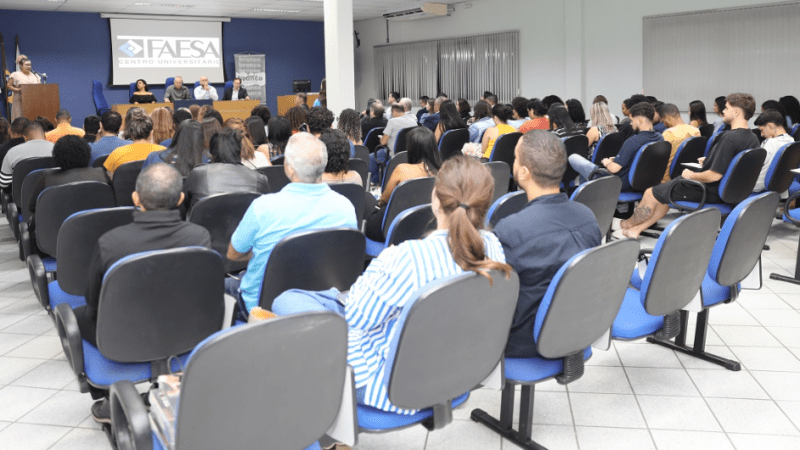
(424, 11)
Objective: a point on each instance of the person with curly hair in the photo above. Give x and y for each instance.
(337, 170)
(297, 118)
(350, 125)
(5, 135)
(318, 119)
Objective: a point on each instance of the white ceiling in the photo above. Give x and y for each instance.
(306, 9)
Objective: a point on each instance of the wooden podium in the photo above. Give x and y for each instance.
(40, 100)
(285, 102)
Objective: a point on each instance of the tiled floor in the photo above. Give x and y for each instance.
(634, 396)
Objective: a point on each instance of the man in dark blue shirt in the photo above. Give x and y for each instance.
(546, 233)
(642, 115)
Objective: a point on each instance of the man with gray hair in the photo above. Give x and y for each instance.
(546, 233)
(177, 91)
(305, 204)
(157, 225)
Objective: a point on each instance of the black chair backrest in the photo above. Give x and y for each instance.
(278, 160)
(100, 161)
(124, 182)
(609, 146)
(796, 134)
(782, 177)
(76, 244)
(220, 214)
(402, 137)
(651, 167)
(738, 183)
(355, 193)
(707, 130)
(361, 153)
(57, 203)
(684, 250)
(501, 172)
(452, 142)
(413, 223)
(600, 196)
(276, 177)
(509, 204)
(451, 339)
(22, 169)
(690, 151)
(29, 186)
(575, 145)
(313, 260)
(154, 305)
(503, 149)
(362, 168)
(577, 313)
(372, 140)
(397, 159)
(407, 194)
(296, 399)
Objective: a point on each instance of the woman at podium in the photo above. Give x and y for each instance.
(142, 94)
(24, 75)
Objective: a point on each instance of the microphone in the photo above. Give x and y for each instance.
(42, 76)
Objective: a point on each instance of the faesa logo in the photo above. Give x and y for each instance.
(161, 51)
(131, 48)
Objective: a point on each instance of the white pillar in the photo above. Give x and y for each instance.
(339, 65)
(574, 67)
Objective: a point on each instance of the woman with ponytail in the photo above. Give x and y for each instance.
(461, 197)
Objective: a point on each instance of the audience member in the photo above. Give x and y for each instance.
(108, 140)
(697, 114)
(157, 225)
(178, 92)
(265, 114)
(375, 118)
(268, 220)
(423, 107)
(719, 110)
(140, 129)
(401, 118)
(561, 123)
(461, 197)
(4, 130)
(431, 120)
(177, 117)
(35, 146)
(297, 118)
(186, 150)
(773, 129)
(91, 128)
(551, 100)
(251, 158)
(773, 104)
(394, 98)
(133, 112)
(546, 233)
(603, 99)
(449, 119)
(620, 165)
(63, 127)
(576, 113)
(204, 91)
(237, 92)
(142, 93)
(225, 173)
(658, 124)
(481, 121)
(209, 111)
(301, 100)
(255, 128)
(491, 99)
(163, 126)
(279, 133)
(519, 110)
(739, 108)
(337, 169)
(538, 117)
(322, 99)
(46, 124)
(319, 118)
(210, 128)
(464, 109)
(16, 136)
(677, 132)
(195, 111)
(500, 115)
(602, 123)
(792, 108)
(350, 125)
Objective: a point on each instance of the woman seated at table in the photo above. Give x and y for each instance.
(142, 94)
(461, 197)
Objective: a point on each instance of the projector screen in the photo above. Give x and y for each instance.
(155, 50)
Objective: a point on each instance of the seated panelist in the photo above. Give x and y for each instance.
(142, 94)
(237, 92)
(205, 91)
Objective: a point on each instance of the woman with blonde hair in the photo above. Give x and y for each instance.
(460, 200)
(251, 157)
(163, 128)
(602, 122)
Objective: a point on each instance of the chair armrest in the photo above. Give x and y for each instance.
(26, 238)
(71, 341)
(600, 172)
(13, 219)
(789, 200)
(39, 280)
(573, 368)
(344, 429)
(684, 181)
(129, 419)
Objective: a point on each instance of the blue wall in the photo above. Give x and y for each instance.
(74, 48)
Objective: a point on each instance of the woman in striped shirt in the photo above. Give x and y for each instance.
(461, 197)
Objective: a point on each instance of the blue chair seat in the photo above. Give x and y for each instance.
(49, 264)
(376, 419)
(101, 371)
(793, 213)
(713, 292)
(374, 248)
(633, 321)
(158, 445)
(723, 208)
(629, 196)
(58, 296)
(20, 218)
(530, 370)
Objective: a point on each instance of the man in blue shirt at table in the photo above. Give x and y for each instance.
(546, 233)
(305, 204)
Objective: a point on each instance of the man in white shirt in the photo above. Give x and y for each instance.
(773, 129)
(204, 91)
(402, 117)
(35, 146)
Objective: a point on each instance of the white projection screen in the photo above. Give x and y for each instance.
(156, 50)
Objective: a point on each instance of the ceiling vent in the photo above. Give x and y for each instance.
(424, 11)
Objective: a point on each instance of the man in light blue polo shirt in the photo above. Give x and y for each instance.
(110, 124)
(305, 204)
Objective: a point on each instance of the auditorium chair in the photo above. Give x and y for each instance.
(155, 307)
(372, 139)
(132, 89)
(509, 204)
(355, 193)
(647, 170)
(779, 176)
(397, 159)
(32, 183)
(575, 145)
(228, 85)
(795, 129)
(276, 177)
(450, 340)
(362, 153)
(55, 205)
(735, 254)
(21, 170)
(796, 133)
(600, 196)
(100, 103)
(792, 216)
(400, 144)
(100, 161)
(362, 168)
(413, 223)
(169, 82)
(278, 160)
(220, 214)
(573, 314)
(272, 399)
(673, 277)
(711, 141)
(501, 172)
(77, 239)
(689, 151)
(707, 130)
(124, 182)
(452, 141)
(503, 149)
(406, 195)
(313, 260)
(608, 146)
